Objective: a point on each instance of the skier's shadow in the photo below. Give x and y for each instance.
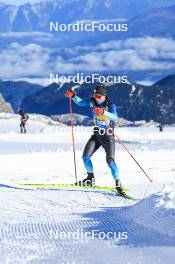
(12, 187)
(113, 220)
(8, 186)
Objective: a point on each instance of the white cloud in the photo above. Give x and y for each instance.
(141, 54)
(19, 61)
(40, 81)
(35, 34)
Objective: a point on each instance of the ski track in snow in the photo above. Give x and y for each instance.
(32, 219)
(29, 232)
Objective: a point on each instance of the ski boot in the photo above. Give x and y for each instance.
(121, 191)
(89, 181)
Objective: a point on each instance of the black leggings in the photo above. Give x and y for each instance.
(93, 144)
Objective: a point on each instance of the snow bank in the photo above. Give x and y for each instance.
(166, 198)
(156, 212)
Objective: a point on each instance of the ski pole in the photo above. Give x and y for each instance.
(127, 149)
(73, 140)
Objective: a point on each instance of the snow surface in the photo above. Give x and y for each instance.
(50, 225)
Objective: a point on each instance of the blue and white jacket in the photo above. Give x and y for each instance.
(110, 112)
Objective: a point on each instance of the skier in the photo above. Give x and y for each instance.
(104, 115)
(23, 120)
(160, 127)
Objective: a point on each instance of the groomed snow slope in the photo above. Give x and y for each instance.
(52, 225)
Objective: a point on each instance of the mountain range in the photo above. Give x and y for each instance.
(5, 107)
(36, 17)
(158, 22)
(134, 101)
(14, 92)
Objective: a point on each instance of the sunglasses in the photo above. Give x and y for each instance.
(97, 96)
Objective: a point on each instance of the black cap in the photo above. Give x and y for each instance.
(100, 89)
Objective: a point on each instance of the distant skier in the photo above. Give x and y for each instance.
(104, 115)
(23, 120)
(160, 127)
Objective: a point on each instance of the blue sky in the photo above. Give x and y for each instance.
(19, 2)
